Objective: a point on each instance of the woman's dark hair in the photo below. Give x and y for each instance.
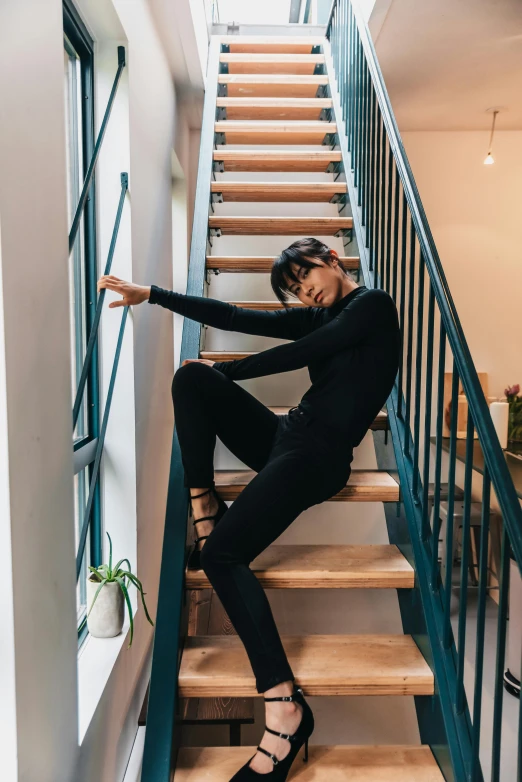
(300, 252)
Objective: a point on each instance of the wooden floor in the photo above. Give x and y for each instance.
(325, 764)
(214, 666)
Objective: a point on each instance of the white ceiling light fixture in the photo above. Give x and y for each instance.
(489, 159)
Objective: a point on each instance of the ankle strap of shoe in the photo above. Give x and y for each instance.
(204, 518)
(288, 736)
(286, 697)
(272, 757)
(195, 496)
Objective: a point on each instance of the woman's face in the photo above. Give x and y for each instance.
(320, 286)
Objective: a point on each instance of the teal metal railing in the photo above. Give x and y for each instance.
(398, 254)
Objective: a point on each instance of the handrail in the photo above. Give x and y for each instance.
(493, 454)
(160, 740)
(396, 248)
(96, 151)
(99, 306)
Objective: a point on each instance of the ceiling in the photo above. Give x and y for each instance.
(446, 61)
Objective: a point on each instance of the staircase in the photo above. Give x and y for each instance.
(272, 108)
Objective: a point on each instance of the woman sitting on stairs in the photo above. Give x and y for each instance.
(348, 337)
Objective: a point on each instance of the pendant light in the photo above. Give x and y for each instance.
(489, 159)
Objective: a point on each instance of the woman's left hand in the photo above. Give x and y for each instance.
(199, 360)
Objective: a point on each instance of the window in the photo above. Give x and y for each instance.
(79, 120)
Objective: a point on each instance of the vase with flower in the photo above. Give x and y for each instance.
(515, 413)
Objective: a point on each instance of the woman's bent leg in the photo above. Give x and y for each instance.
(286, 486)
(208, 404)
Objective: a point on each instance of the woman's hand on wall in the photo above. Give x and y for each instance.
(132, 294)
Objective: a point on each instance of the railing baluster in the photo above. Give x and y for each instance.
(371, 189)
(427, 416)
(396, 200)
(378, 185)
(446, 633)
(366, 151)
(409, 357)
(501, 656)
(438, 459)
(391, 170)
(404, 233)
(418, 379)
(382, 254)
(463, 604)
(481, 627)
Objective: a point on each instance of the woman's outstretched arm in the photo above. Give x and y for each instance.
(285, 324)
(370, 310)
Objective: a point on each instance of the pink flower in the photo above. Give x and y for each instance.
(512, 390)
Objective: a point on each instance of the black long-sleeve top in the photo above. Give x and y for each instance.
(351, 350)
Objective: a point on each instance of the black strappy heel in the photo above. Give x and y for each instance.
(281, 767)
(194, 560)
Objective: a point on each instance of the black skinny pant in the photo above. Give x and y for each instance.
(296, 467)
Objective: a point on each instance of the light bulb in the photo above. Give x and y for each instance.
(489, 160)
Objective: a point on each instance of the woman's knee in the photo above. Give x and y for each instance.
(216, 555)
(189, 376)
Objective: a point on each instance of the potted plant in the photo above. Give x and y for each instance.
(107, 589)
(515, 413)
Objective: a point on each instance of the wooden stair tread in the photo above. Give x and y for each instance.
(283, 226)
(325, 567)
(277, 160)
(278, 191)
(323, 665)
(362, 486)
(264, 62)
(274, 108)
(271, 85)
(290, 44)
(274, 131)
(257, 263)
(368, 763)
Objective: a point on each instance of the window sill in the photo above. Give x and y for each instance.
(96, 659)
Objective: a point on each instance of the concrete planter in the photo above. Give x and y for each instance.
(106, 617)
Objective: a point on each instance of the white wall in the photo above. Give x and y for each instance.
(39, 710)
(474, 213)
(33, 213)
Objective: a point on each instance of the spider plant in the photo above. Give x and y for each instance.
(107, 573)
